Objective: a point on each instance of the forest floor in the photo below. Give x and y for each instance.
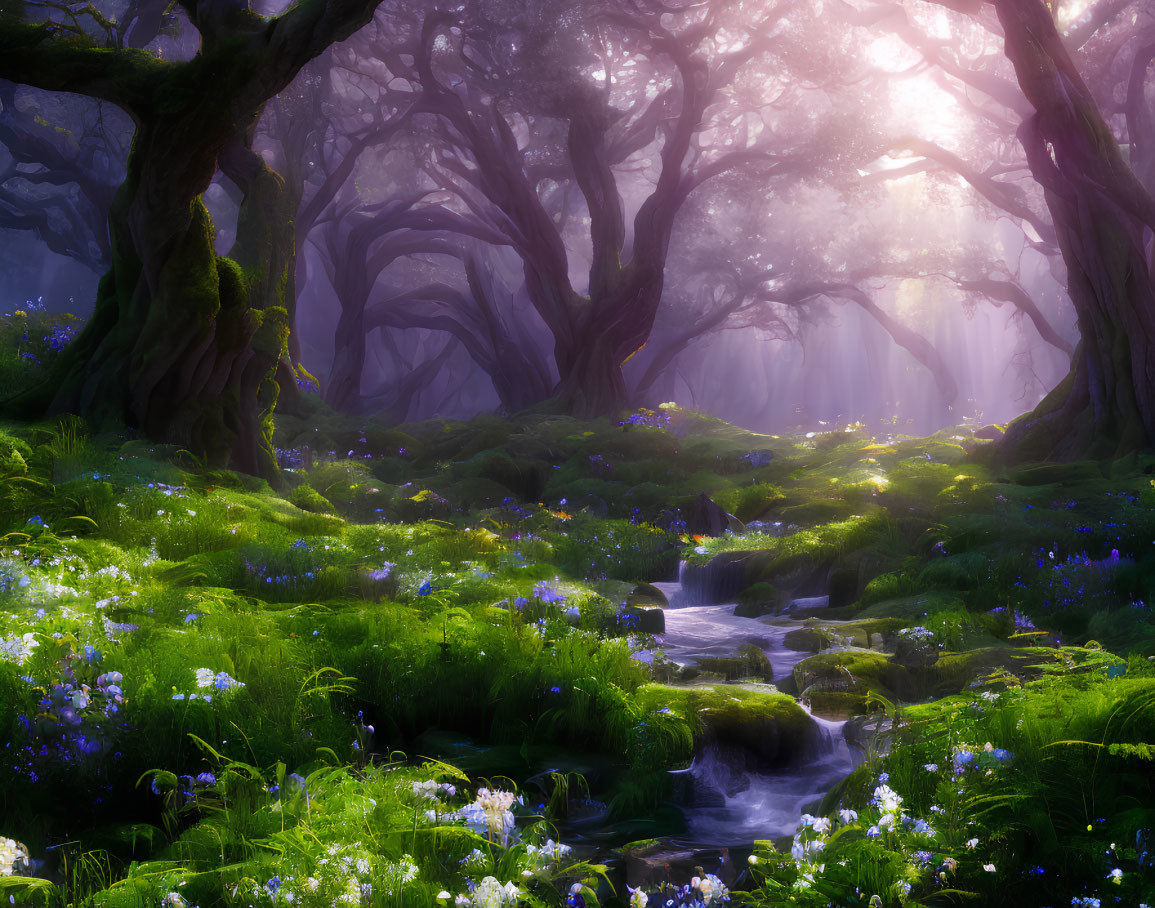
(409, 675)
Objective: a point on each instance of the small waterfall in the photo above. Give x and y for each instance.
(720, 579)
(729, 805)
(673, 590)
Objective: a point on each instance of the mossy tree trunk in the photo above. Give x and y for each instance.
(1103, 218)
(184, 345)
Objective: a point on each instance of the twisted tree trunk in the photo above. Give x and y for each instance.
(1105, 221)
(183, 345)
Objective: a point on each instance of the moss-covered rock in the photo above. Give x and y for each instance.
(647, 594)
(749, 663)
(757, 600)
(411, 506)
(524, 478)
(841, 682)
(645, 619)
(309, 499)
(769, 728)
(910, 608)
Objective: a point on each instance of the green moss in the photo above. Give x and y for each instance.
(477, 492)
(752, 718)
(231, 284)
(750, 502)
(309, 499)
(852, 675)
(1066, 474)
(750, 663)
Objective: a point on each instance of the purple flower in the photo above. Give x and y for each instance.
(547, 594)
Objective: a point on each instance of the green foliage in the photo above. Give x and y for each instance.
(439, 619)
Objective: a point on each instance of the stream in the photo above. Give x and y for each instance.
(724, 804)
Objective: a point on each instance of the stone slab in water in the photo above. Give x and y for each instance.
(807, 604)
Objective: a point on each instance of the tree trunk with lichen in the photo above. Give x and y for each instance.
(184, 345)
(1103, 216)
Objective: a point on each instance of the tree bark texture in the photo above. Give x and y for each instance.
(183, 345)
(1105, 221)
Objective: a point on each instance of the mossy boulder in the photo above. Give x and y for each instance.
(913, 607)
(956, 572)
(750, 662)
(647, 594)
(953, 672)
(755, 724)
(647, 497)
(757, 600)
(309, 499)
(751, 502)
(796, 572)
(818, 511)
(391, 442)
(524, 478)
(421, 504)
(841, 682)
(644, 619)
(867, 633)
(806, 640)
(616, 591)
(718, 580)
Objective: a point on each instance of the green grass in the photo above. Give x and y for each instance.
(434, 586)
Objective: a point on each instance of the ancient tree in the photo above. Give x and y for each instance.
(183, 345)
(1104, 219)
(577, 130)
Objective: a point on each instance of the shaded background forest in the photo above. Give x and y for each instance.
(787, 214)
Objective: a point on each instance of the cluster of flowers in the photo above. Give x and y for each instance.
(206, 679)
(1090, 901)
(548, 854)
(75, 717)
(18, 649)
(261, 574)
(985, 758)
(809, 843)
(489, 893)
(546, 593)
(646, 418)
(491, 815)
(13, 577)
(341, 876)
(918, 634)
(60, 337)
(187, 787)
(431, 792)
(14, 859)
(701, 892)
(599, 466)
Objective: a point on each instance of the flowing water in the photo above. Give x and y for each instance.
(726, 805)
(732, 808)
(699, 632)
